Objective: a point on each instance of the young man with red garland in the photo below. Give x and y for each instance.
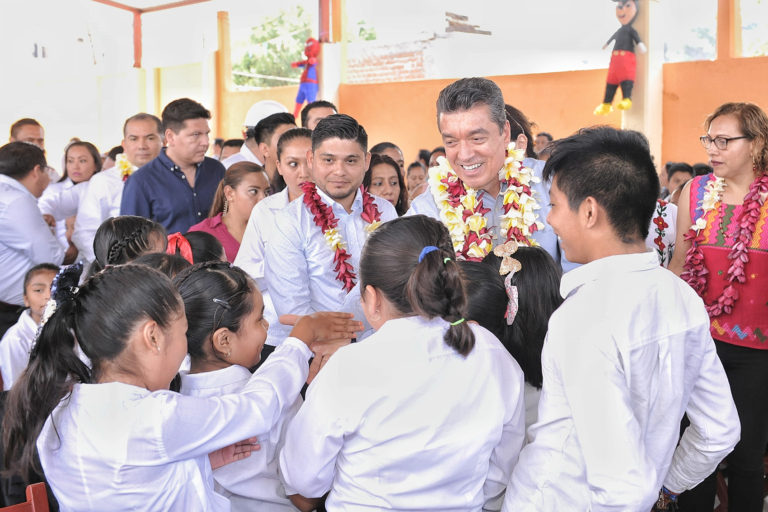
(312, 256)
(483, 176)
(626, 354)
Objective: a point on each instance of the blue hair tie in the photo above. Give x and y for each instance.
(426, 250)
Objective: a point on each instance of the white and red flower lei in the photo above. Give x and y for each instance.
(126, 167)
(327, 222)
(464, 216)
(695, 274)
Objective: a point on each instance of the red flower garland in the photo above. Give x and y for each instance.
(326, 220)
(696, 275)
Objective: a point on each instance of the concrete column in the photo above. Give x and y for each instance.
(646, 113)
(223, 71)
(728, 29)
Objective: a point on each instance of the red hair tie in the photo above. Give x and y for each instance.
(177, 242)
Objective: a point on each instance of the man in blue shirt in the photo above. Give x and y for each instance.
(177, 188)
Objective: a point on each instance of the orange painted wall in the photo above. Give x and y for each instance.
(404, 112)
(692, 90)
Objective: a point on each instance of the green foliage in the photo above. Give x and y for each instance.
(275, 43)
(363, 32)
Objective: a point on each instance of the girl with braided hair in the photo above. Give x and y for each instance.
(112, 436)
(425, 414)
(122, 239)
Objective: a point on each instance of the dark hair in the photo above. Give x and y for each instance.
(547, 135)
(42, 267)
(205, 246)
(613, 166)
(701, 169)
(122, 239)
(218, 141)
(168, 264)
(215, 295)
(339, 126)
(383, 146)
(114, 152)
(17, 159)
(265, 128)
(538, 285)
(315, 104)
(232, 177)
(679, 167)
(177, 112)
(21, 123)
(413, 165)
(430, 288)
(232, 143)
(424, 155)
(519, 123)
(291, 135)
(142, 116)
(466, 93)
(94, 152)
(402, 199)
(99, 318)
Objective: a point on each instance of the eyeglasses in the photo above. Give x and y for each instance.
(720, 142)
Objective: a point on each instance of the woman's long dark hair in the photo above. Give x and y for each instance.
(402, 200)
(92, 150)
(431, 287)
(215, 295)
(538, 285)
(98, 317)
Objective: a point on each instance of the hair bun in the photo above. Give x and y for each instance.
(65, 284)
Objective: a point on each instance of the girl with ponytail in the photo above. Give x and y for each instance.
(122, 239)
(425, 414)
(111, 436)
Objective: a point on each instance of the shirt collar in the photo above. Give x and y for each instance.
(607, 267)
(170, 164)
(215, 220)
(357, 204)
(215, 379)
(14, 183)
(248, 155)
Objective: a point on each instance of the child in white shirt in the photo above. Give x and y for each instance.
(114, 437)
(425, 414)
(227, 330)
(17, 341)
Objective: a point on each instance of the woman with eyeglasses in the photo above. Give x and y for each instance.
(722, 252)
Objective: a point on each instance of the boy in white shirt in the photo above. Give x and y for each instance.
(17, 341)
(627, 353)
(312, 256)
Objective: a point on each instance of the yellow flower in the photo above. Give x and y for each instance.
(476, 222)
(470, 200)
(475, 251)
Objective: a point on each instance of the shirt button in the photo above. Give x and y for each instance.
(199, 214)
(183, 177)
(194, 194)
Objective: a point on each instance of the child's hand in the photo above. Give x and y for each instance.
(233, 452)
(323, 352)
(323, 327)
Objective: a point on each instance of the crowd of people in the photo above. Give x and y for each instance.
(301, 321)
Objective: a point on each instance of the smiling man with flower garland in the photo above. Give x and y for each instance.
(313, 255)
(484, 190)
(626, 354)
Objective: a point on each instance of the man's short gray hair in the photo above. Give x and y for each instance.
(466, 93)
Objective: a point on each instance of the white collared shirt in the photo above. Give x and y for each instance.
(60, 201)
(120, 447)
(627, 354)
(244, 155)
(252, 483)
(100, 202)
(402, 421)
(25, 239)
(15, 348)
(250, 257)
(299, 263)
(425, 204)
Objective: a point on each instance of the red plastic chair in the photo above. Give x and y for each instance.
(37, 500)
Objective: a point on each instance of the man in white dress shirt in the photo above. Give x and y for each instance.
(25, 238)
(142, 141)
(475, 131)
(31, 131)
(300, 266)
(626, 355)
